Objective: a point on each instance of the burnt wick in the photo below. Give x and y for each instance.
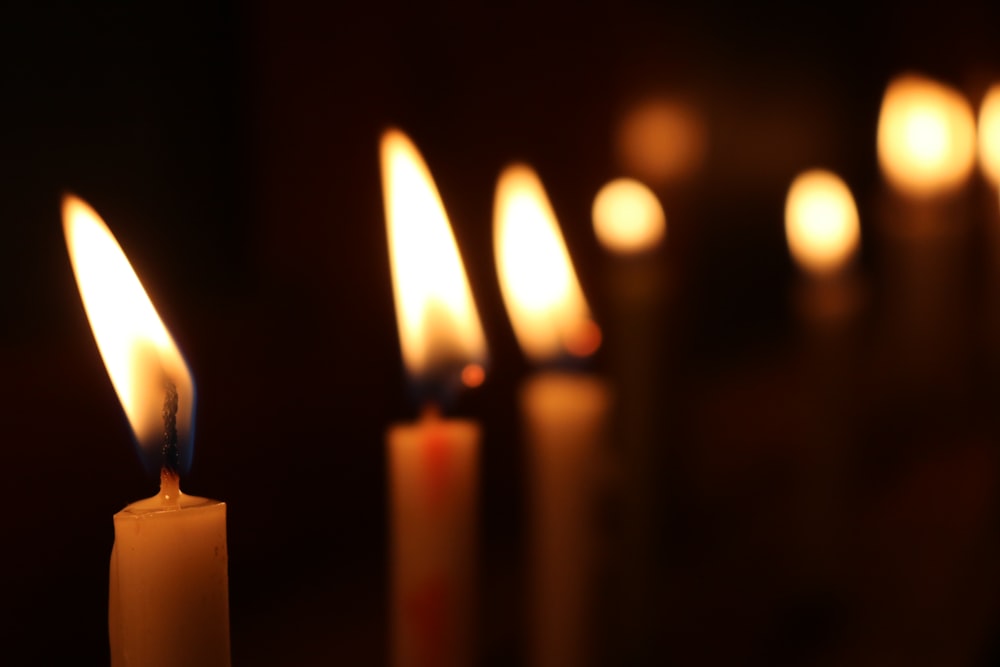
(171, 457)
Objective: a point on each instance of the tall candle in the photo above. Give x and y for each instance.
(564, 412)
(630, 224)
(926, 150)
(433, 462)
(989, 163)
(168, 600)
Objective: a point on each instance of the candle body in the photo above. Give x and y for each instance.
(432, 481)
(926, 249)
(169, 592)
(565, 416)
(640, 346)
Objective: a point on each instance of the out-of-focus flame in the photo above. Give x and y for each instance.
(546, 306)
(138, 351)
(821, 222)
(989, 135)
(628, 218)
(439, 329)
(661, 140)
(926, 136)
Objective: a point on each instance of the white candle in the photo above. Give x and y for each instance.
(168, 600)
(564, 413)
(432, 463)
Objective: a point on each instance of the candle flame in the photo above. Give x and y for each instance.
(628, 218)
(141, 357)
(440, 334)
(989, 135)
(821, 222)
(543, 297)
(926, 136)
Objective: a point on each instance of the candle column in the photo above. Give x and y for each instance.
(630, 224)
(926, 143)
(433, 462)
(823, 233)
(168, 600)
(565, 417)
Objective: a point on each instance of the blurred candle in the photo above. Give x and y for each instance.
(989, 164)
(564, 413)
(168, 600)
(823, 234)
(630, 224)
(432, 463)
(926, 150)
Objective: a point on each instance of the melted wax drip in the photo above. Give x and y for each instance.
(171, 456)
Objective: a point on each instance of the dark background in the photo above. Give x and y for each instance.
(232, 149)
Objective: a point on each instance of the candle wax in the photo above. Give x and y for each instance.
(432, 481)
(168, 601)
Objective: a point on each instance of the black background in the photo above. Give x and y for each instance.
(232, 149)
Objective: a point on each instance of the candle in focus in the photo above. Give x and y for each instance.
(168, 596)
(926, 150)
(564, 414)
(433, 462)
(630, 224)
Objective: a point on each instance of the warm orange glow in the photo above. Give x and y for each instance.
(628, 217)
(926, 136)
(437, 318)
(821, 222)
(546, 306)
(473, 375)
(138, 351)
(661, 140)
(989, 135)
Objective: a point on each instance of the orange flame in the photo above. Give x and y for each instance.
(926, 136)
(628, 218)
(543, 297)
(138, 351)
(821, 222)
(989, 135)
(437, 318)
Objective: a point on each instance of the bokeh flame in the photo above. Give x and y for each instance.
(926, 136)
(989, 135)
(821, 222)
(540, 289)
(439, 329)
(628, 218)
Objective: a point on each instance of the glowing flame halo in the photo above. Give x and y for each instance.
(440, 334)
(540, 289)
(139, 353)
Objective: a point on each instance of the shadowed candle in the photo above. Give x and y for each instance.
(168, 599)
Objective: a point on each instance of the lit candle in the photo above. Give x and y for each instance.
(564, 412)
(823, 234)
(168, 599)
(926, 150)
(630, 224)
(432, 463)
